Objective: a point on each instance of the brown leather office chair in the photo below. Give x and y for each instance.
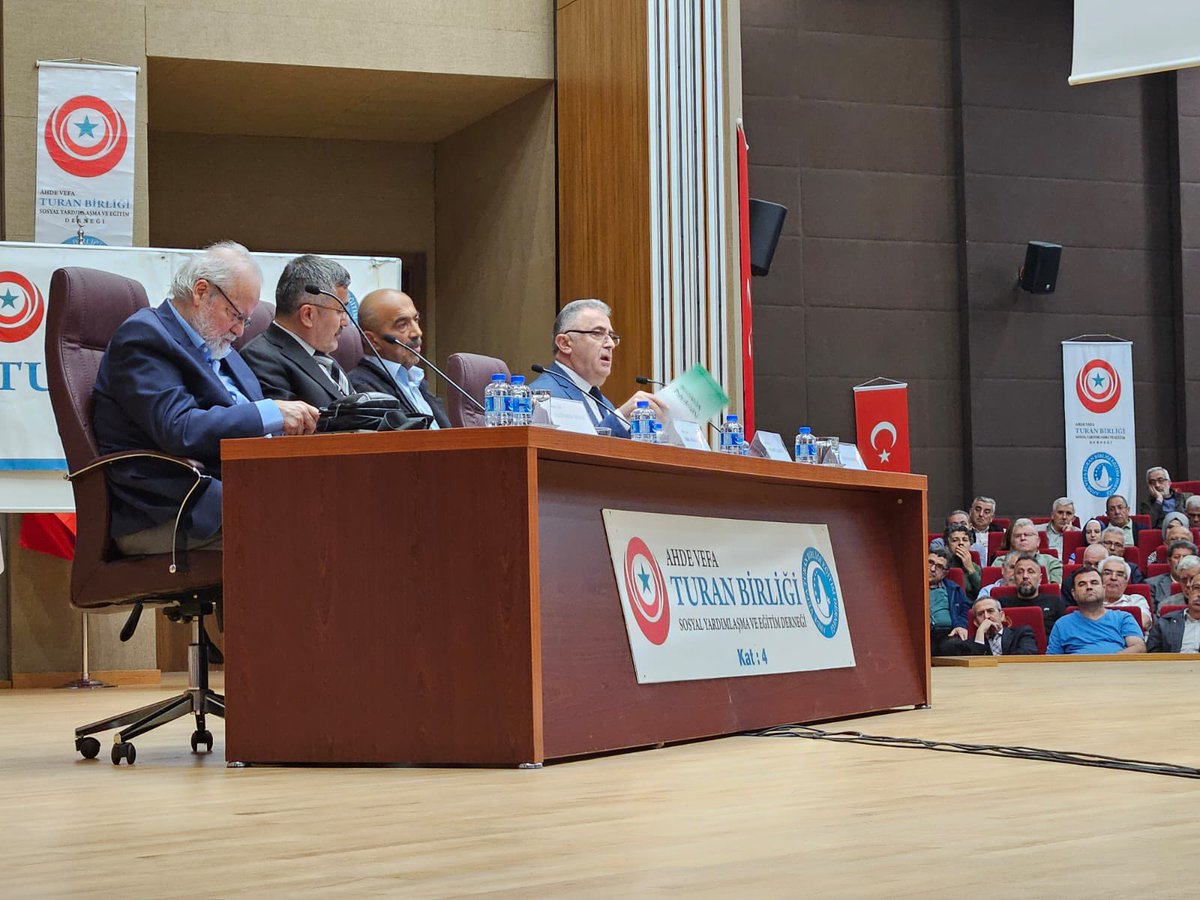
(349, 349)
(86, 306)
(263, 316)
(473, 372)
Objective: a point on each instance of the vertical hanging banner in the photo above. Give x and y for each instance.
(85, 140)
(1098, 413)
(881, 420)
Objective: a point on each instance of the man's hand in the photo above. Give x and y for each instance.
(298, 416)
(964, 556)
(959, 632)
(986, 627)
(1155, 496)
(656, 404)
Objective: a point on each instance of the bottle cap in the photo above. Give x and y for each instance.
(518, 379)
(642, 404)
(731, 418)
(806, 430)
(498, 377)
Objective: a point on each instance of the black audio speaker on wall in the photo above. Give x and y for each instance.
(766, 223)
(1040, 272)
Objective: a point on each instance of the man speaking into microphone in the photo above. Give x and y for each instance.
(584, 343)
(392, 324)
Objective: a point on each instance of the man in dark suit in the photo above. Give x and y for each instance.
(992, 637)
(1177, 552)
(171, 381)
(584, 343)
(1178, 631)
(385, 316)
(292, 357)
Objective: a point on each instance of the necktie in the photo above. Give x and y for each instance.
(334, 371)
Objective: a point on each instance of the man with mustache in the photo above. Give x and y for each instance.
(171, 381)
(384, 314)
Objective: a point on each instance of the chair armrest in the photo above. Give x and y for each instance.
(120, 455)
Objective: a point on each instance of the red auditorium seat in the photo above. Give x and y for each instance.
(957, 576)
(989, 574)
(1031, 616)
(1169, 608)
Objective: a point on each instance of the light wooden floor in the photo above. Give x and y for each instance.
(740, 817)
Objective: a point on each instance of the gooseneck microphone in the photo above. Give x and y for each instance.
(645, 379)
(317, 292)
(569, 384)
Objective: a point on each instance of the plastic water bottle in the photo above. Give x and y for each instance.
(659, 437)
(806, 446)
(641, 423)
(495, 402)
(522, 405)
(733, 437)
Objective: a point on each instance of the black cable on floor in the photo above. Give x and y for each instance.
(1068, 757)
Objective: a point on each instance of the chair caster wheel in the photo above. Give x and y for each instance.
(124, 751)
(88, 747)
(202, 737)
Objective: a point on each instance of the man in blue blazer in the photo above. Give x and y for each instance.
(171, 381)
(584, 343)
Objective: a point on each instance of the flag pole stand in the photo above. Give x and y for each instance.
(85, 681)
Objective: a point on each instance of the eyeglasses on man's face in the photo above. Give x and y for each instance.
(600, 334)
(239, 317)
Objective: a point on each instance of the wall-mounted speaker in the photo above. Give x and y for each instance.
(766, 224)
(1040, 272)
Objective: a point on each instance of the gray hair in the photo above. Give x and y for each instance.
(1193, 502)
(1188, 562)
(321, 271)
(1114, 530)
(217, 263)
(1110, 558)
(985, 500)
(1021, 523)
(1150, 471)
(1175, 545)
(569, 315)
(1175, 517)
(1060, 503)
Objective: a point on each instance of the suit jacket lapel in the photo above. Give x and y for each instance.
(175, 330)
(568, 384)
(289, 348)
(246, 381)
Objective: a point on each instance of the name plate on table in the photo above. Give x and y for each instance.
(682, 433)
(569, 415)
(721, 598)
(769, 445)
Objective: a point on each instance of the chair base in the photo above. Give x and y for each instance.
(198, 700)
(84, 683)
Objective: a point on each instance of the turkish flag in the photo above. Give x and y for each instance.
(881, 417)
(52, 533)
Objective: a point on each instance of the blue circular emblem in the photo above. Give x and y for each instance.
(88, 241)
(1101, 475)
(820, 592)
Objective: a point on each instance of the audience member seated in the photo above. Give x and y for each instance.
(1117, 510)
(1092, 556)
(995, 635)
(1192, 509)
(1062, 520)
(1175, 528)
(983, 510)
(1006, 579)
(1179, 556)
(292, 357)
(1092, 529)
(1027, 575)
(1092, 628)
(1178, 631)
(1023, 538)
(171, 381)
(1113, 540)
(958, 517)
(1162, 499)
(1114, 575)
(957, 539)
(948, 604)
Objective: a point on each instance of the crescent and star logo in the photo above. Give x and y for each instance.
(883, 428)
(646, 590)
(85, 136)
(820, 592)
(21, 307)
(1098, 386)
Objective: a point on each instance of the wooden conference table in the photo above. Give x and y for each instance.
(448, 597)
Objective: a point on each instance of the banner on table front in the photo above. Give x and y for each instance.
(28, 435)
(87, 117)
(881, 421)
(719, 598)
(1098, 412)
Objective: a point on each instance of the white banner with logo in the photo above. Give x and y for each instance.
(1098, 411)
(87, 117)
(720, 598)
(28, 434)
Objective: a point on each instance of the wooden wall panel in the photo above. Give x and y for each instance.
(603, 172)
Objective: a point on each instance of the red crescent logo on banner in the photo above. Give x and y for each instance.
(646, 590)
(85, 136)
(21, 307)
(1098, 386)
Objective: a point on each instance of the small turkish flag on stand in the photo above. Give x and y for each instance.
(881, 417)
